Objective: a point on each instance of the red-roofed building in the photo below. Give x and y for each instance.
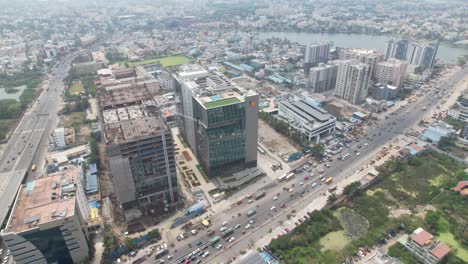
(441, 251)
(462, 187)
(425, 248)
(422, 237)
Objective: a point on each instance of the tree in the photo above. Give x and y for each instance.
(445, 143)
(130, 244)
(154, 234)
(332, 198)
(352, 188)
(94, 157)
(317, 150)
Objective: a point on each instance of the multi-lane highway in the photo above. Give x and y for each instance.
(30, 135)
(378, 135)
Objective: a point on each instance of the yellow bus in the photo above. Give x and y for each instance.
(33, 168)
(329, 180)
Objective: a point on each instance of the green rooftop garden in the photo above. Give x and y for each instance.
(222, 102)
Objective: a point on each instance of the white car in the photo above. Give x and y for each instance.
(218, 247)
(249, 201)
(314, 184)
(275, 198)
(206, 254)
(247, 226)
(301, 183)
(170, 257)
(237, 226)
(359, 153)
(225, 223)
(291, 190)
(222, 229)
(273, 208)
(231, 239)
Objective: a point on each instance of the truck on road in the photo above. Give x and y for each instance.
(260, 195)
(251, 212)
(214, 240)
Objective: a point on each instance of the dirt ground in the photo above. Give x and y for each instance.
(341, 108)
(104, 177)
(84, 134)
(275, 142)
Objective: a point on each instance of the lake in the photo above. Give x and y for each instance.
(448, 53)
(16, 96)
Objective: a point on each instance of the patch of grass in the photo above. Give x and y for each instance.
(449, 238)
(5, 126)
(74, 120)
(165, 61)
(221, 102)
(457, 124)
(11, 90)
(353, 223)
(76, 88)
(437, 181)
(336, 240)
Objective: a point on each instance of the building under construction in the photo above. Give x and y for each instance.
(140, 148)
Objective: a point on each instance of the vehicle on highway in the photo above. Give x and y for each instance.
(218, 247)
(273, 208)
(251, 212)
(307, 178)
(231, 239)
(329, 180)
(214, 240)
(359, 153)
(252, 221)
(33, 167)
(237, 226)
(345, 156)
(247, 226)
(290, 176)
(314, 184)
(260, 195)
(227, 232)
(161, 253)
(206, 254)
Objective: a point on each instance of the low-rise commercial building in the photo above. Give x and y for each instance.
(458, 112)
(425, 247)
(313, 121)
(87, 68)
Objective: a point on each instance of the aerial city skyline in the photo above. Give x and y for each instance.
(214, 131)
